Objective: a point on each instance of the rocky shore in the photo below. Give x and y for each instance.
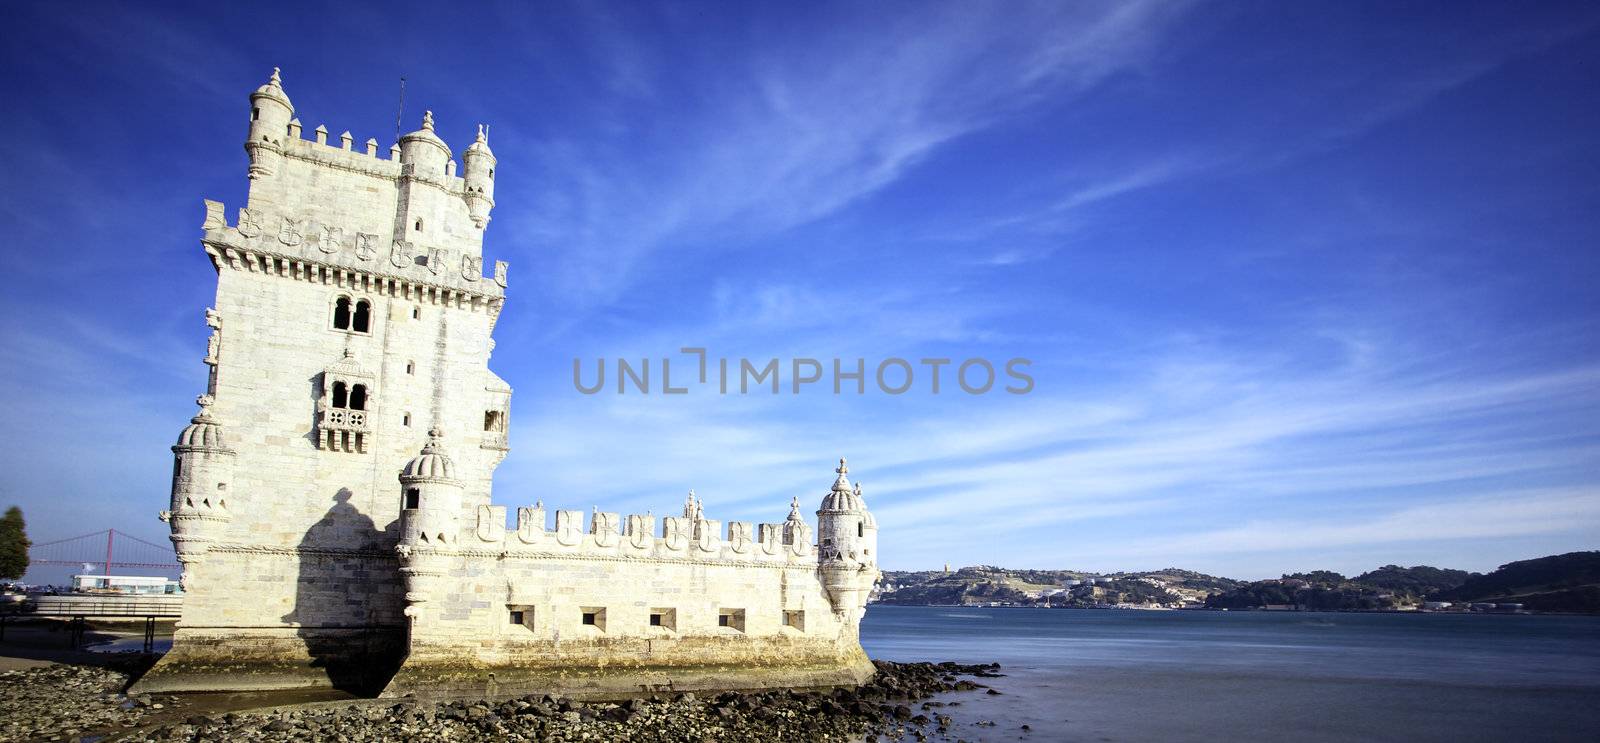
(66, 703)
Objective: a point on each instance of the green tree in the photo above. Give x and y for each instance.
(13, 545)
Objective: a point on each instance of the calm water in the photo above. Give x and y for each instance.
(1098, 675)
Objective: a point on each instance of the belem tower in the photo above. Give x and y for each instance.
(331, 502)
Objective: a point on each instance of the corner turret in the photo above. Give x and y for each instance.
(847, 546)
(270, 113)
(478, 166)
(424, 151)
(430, 515)
(202, 474)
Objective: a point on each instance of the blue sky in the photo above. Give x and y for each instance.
(1304, 285)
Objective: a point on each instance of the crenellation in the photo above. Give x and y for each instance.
(332, 502)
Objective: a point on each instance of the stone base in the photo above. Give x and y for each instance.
(445, 678)
(360, 661)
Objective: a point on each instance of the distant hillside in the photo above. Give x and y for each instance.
(1569, 582)
(1416, 582)
(986, 584)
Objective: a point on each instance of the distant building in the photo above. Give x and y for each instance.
(138, 584)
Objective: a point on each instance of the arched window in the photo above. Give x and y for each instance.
(861, 529)
(341, 398)
(363, 316)
(341, 313)
(358, 397)
(418, 226)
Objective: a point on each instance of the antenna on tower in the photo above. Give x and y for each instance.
(401, 111)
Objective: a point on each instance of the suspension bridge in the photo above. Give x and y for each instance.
(109, 548)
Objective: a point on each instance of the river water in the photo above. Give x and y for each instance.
(1124, 675)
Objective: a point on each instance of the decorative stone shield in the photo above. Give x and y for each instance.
(569, 527)
(530, 524)
(437, 257)
(500, 269)
(366, 245)
(331, 239)
(770, 537)
(639, 528)
(291, 233)
(739, 536)
(604, 528)
(676, 533)
(249, 222)
(402, 254)
(471, 268)
(492, 523)
(705, 538)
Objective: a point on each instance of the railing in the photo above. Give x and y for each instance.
(103, 606)
(343, 419)
(79, 608)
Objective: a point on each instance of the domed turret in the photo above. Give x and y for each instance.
(432, 464)
(847, 546)
(430, 519)
(479, 164)
(202, 474)
(424, 151)
(430, 496)
(270, 113)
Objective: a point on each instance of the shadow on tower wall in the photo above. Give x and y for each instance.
(347, 607)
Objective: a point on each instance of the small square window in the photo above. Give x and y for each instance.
(593, 616)
(666, 619)
(723, 619)
(520, 615)
(731, 618)
(795, 620)
(413, 498)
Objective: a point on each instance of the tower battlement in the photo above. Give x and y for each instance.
(332, 535)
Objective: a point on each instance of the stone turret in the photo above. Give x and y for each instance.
(430, 515)
(847, 547)
(202, 474)
(478, 173)
(270, 113)
(424, 151)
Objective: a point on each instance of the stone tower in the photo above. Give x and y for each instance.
(352, 316)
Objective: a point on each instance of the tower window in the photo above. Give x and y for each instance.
(363, 316)
(405, 420)
(416, 313)
(411, 367)
(593, 616)
(341, 313)
(341, 395)
(413, 498)
(255, 114)
(491, 174)
(494, 420)
(358, 397)
(861, 529)
(418, 226)
(731, 618)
